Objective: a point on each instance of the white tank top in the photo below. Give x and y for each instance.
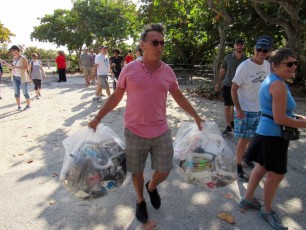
(17, 62)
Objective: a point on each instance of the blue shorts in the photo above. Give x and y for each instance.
(246, 127)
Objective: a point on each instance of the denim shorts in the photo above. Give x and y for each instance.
(20, 85)
(103, 81)
(246, 127)
(138, 148)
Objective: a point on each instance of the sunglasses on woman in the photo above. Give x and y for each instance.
(262, 50)
(290, 63)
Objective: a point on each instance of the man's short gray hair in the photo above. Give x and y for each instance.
(158, 27)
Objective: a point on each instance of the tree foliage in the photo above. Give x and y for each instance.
(187, 37)
(5, 34)
(198, 32)
(42, 53)
(290, 16)
(90, 23)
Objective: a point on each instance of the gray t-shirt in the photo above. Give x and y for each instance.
(86, 60)
(230, 64)
(35, 70)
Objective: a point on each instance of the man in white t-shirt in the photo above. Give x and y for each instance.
(102, 67)
(245, 87)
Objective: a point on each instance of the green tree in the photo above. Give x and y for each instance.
(221, 14)
(90, 23)
(42, 53)
(5, 34)
(291, 17)
(190, 37)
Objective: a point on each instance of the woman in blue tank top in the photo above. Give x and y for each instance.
(268, 148)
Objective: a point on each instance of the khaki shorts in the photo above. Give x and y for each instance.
(103, 81)
(87, 71)
(137, 149)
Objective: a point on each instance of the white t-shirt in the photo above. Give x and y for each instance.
(103, 64)
(249, 77)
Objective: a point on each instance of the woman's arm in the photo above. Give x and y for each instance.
(279, 104)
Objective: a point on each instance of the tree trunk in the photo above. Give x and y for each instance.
(222, 29)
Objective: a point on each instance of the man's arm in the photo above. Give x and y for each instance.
(96, 66)
(109, 105)
(234, 94)
(182, 101)
(80, 62)
(220, 79)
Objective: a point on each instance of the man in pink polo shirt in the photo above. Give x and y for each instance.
(147, 84)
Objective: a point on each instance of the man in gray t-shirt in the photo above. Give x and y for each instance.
(86, 65)
(226, 74)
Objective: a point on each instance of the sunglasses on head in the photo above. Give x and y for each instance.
(262, 50)
(156, 43)
(291, 63)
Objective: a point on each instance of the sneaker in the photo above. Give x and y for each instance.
(37, 98)
(19, 108)
(250, 205)
(154, 196)
(27, 107)
(242, 176)
(272, 219)
(95, 99)
(248, 163)
(141, 211)
(227, 130)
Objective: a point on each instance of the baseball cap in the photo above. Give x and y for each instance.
(14, 47)
(103, 46)
(264, 42)
(239, 41)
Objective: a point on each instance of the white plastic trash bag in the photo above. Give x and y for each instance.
(94, 162)
(203, 156)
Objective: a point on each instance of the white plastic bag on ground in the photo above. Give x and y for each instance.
(203, 156)
(94, 162)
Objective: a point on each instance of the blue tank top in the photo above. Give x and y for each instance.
(266, 125)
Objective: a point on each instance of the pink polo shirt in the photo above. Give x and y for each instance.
(145, 113)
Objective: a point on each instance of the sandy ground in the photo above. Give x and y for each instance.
(32, 153)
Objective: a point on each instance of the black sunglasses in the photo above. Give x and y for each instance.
(156, 43)
(262, 50)
(291, 63)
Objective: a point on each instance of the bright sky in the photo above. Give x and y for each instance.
(20, 16)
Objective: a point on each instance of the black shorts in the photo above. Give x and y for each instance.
(227, 96)
(270, 152)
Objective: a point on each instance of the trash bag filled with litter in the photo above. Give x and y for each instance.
(204, 157)
(94, 162)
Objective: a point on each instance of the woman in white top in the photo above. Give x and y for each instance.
(37, 74)
(138, 53)
(19, 69)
